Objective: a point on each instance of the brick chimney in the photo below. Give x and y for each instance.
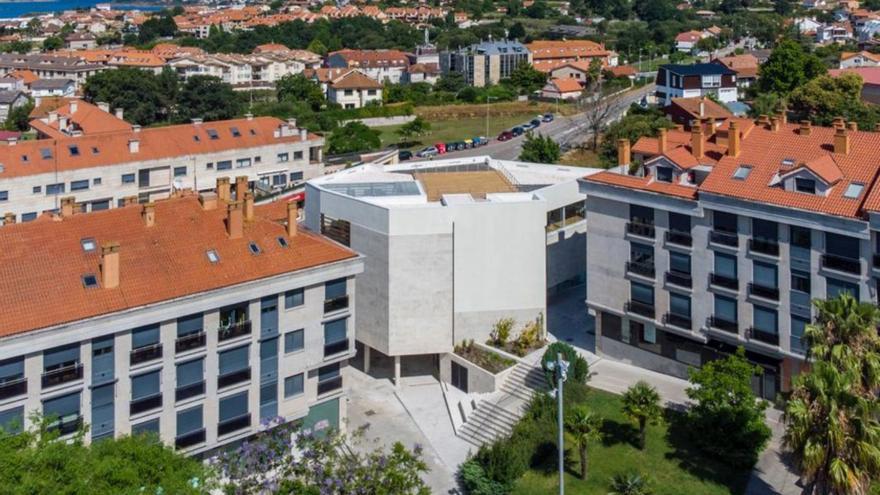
(208, 200)
(148, 214)
(234, 220)
(67, 206)
(303, 134)
(134, 145)
(223, 189)
(197, 121)
(733, 139)
(241, 187)
(852, 126)
(805, 128)
(623, 152)
(110, 265)
(9, 218)
(783, 117)
(763, 119)
(838, 122)
(104, 106)
(292, 214)
(249, 206)
(11, 141)
(661, 140)
(249, 116)
(841, 141)
(774, 124)
(697, 143)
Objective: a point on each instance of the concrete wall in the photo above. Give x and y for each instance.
(566, 262)
(633, 355)
(480, 381)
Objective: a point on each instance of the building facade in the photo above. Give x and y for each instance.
(486, 63)
(236, 317)
(687, 81)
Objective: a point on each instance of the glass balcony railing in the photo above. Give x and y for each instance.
(62, 375)
(730, 239)
(234, 330)
(764, 336)
(841, 264)
(335, 304)
(679, 238)
(643, 268)
(188, 391)
(234, 424)
(764, 246)
(723, 324)
(335, 347)
(677, 320)
(13, 388)
(640, 229)
(329, 385)
(233, 377)
(146, 353)
(679, 278)
(764, 292)
(724, 281)
(190, 342)
(190, 439)
(640, 308)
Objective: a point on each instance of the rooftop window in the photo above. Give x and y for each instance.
(853, 190)
(74, 150)
(90, 281)
(235, 132)
(196, 138)
(88, 244)
(24, 158)
(282, 242)
(95, 150)
(212, 133)
(255, 250)
(253, 132)
(742, 172)
(805, 185)
(46, 153)
(212, 255)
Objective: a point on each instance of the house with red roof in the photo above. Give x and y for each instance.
(562, 89)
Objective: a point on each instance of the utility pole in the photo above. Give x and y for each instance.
(560, 369)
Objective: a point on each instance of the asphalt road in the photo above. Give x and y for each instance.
(570, 129)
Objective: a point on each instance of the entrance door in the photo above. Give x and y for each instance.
(459, 377)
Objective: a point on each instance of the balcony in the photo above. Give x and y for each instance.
(877, 261)
(13, 388)
(679, 238)
(720, 237)
(764, 246)
(145, 404)
(680, 279)
(841, 264)
(62, 375)
(640, 308)
(335, 347)
(190, 439)
(146, 353)
(190, 342)
(335, 304)
(187, 391)
(723, 324)
(234, 330)
(329, 385)
(723, 281)
(643, 268)
(234, 377)
(764, 292)
(640, 229)
(677, 320)
(763, 336)
(66, 426)
(234, 424)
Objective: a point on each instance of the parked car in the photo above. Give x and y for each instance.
(451, 146)
(517, 131)
(528, 126)
(441, 148)
(481, 140)
(548, 117)
(404, 155)
(427, 152)
(535, 123)
(505, 136)
(469, 143)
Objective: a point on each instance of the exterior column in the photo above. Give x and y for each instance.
(367, 359)
(397, 371)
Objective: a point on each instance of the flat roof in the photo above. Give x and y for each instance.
(476, 183)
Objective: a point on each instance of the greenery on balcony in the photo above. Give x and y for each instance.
(530, 338)
(488, 360)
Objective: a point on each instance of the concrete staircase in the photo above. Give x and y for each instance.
(495, 417)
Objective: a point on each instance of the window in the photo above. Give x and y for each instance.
(765, 319)
(128, 178)
(680, 305)
(712, 81)
(12, 378)
(329, 379)
(150, 427)
(258, 159)
(233, 407)
(179, 171)
(335, 288)
(61, 357)
(841, 245)
(234, 365)
(103, 366)
(212, 255)
(764, 274)
(725, 265)
(800, 237)
(37, 189)
(55, 189)
(97, 181)
(74, 150)
(283, 157)
(224, 165)
(95, 150)
(235, 132)
(45, 153)
(189, 325)
(269, 360)
(853, 190)
(28, 217)
(196, 138)
(679, 223)
(254, 248)
(664, 174)
(805, 185)
(294, 341)
(642, 293)
(144, 336)
(145, 386)
(4, 195)
(25, 158)
(212, 133)
(190, 379)
(742, 172)
(282, 242)
(679, 263)
(268, 400)
(294, 298)
(641, 214)
(296, 176)
(798, 325)
(834, 288)
(12, 420)
(243, 163)
(66, 412)
(100, 205)
(641, 253)
(800, 281)
(297, 155)
(724, 222)
(90, 281)
(209, 165)
(335, 337)
(294, 385)
(726, 309)
(765, 230)
(189, 421)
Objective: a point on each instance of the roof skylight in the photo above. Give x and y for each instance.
(235, 132)
(88, 244)
(283, 242)
(742, 172)
(212, 133)
(90, 281)
(212, 255)
(74, 150)
(46, 153)
(853, 190)
(255, 250)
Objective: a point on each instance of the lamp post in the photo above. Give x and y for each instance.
(560, 369)
(488, 99)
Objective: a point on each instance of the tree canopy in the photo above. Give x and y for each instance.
(637, 123)
(538, 148)
(788, 67)
(297, 87)
(824, 98)
(353, 137)
(206, 97)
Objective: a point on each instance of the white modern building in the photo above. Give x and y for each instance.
(451, 247)
(196, 318)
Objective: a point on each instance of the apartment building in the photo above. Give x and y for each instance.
(451, 247)
(354, 90)
(195, 318)
(50, 66)
(687, 81)
(487, 62)
(723, 239)
(241, 71)
(548, 55)
(103, 169)
(380, 65)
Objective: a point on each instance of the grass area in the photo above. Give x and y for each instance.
(580, 157)
(672, 465)
(453, 130)
(654, 64)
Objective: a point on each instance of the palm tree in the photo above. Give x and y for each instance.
(585, 426)
(629, 484)
(641, 403)
(832, 425)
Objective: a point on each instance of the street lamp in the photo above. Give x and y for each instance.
(560, 368)
(488, 99)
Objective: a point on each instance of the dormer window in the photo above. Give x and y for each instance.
(664, 174)
(805, 185)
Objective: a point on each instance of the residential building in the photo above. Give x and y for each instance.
(849, 60)
(685, 81)
(354, 89)
(80, 41)
(380, 65)
(745, 66)
(451, 246)
(687, 41)
(49, 66)
(10, 100)
(57, 117)
(418, 73)
(107, 169)
(870, 81)
(242, 71)
(195, 318)
(563, 89)
(730, 236)
(486, 63)
(550, 54)
(41, 88)
(687, 111)
(837, 32)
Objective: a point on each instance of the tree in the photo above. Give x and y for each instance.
(161, 26)
(353, 137)
(788, 67)
(134, 90)
(36, 461)
(598, 112)
(578, 368)
(206, 97)
(638, 122)
(727, 420)
(824, 98)
(517, 31)
(586, 427)
(831, 420)
(297, 87)
(272, 463)
(594, 71)
(52, 43)
(452, 82)
(415, 127)
(641, 403)
(527, 79)
(538, 148)
(315, 46)
(19, 117)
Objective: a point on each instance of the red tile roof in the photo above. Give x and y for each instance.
(870, 75)
(42, 262)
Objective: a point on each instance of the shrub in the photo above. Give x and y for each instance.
(629, 484)
(528, 338)
(578, 369)
(501, 332)
(504, 461)
(474, 481)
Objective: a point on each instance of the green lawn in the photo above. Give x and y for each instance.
(672, 465)
(454, 130)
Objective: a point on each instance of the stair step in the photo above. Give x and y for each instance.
(494, 408)
(498, 421)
